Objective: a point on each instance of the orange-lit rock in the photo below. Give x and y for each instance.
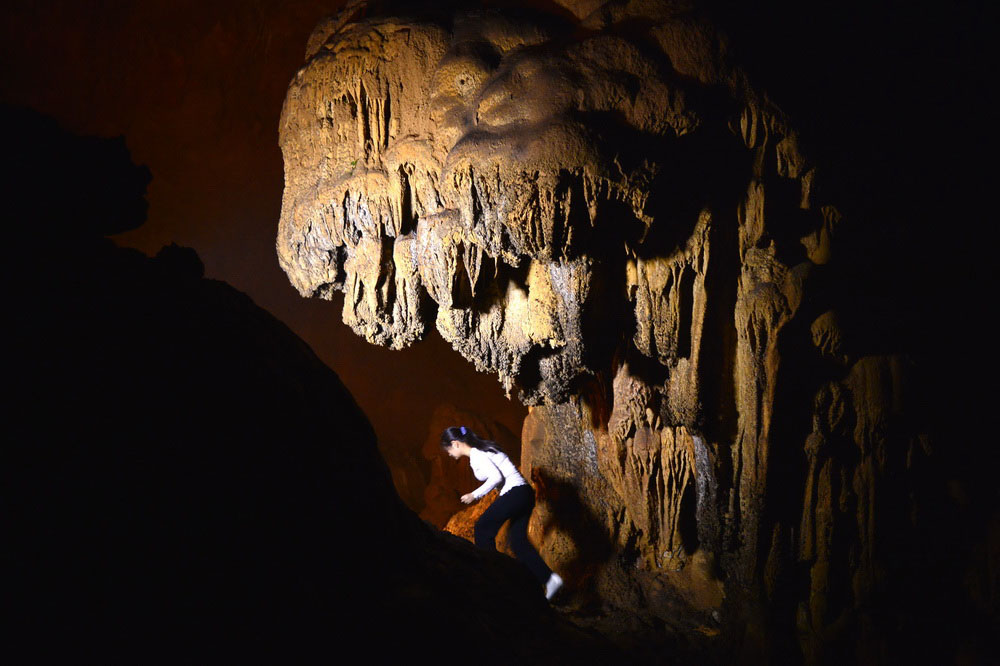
(609, 215)
(449, 479)
(462, 523)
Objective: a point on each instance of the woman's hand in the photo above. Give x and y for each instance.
(468, 498)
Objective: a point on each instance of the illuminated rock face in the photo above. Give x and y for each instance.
(608, 216)
(506, 186)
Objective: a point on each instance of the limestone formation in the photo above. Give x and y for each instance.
(606, 214)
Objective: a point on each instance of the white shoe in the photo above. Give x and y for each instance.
(553, 585)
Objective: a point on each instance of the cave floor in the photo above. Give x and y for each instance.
(675, 634)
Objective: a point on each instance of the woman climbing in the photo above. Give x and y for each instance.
(492, 466)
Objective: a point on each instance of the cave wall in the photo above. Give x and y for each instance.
(600, 207)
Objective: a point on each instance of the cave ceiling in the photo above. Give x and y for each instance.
(533, 187)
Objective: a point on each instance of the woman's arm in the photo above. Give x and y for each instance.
(483, 466)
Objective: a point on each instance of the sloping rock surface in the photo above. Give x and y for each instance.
(183, 477)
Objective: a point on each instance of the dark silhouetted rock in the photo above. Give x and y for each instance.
(184, 479)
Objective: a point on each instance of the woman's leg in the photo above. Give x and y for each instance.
(515, 505)
(503, 509)
(518, 533)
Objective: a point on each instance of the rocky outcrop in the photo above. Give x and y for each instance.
(606, 213)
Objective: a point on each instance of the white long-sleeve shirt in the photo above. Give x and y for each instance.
(492, 468)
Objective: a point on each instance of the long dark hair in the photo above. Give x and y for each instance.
(463, 434)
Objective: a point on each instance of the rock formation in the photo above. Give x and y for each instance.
(600, 208)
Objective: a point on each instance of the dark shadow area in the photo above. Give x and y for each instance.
(65, 186)
(685, 308)
(534, 382)
(183, 476)
(800, 375)
(888, 98)
(570, 516)
(687, 523)
(605, 320)
(718, 363)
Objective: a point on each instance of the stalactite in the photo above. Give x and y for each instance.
(606, 211)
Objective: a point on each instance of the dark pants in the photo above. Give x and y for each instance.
(515, 505)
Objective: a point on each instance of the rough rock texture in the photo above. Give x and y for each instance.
(605, 213)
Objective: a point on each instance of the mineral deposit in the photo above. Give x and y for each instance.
(601, 209)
